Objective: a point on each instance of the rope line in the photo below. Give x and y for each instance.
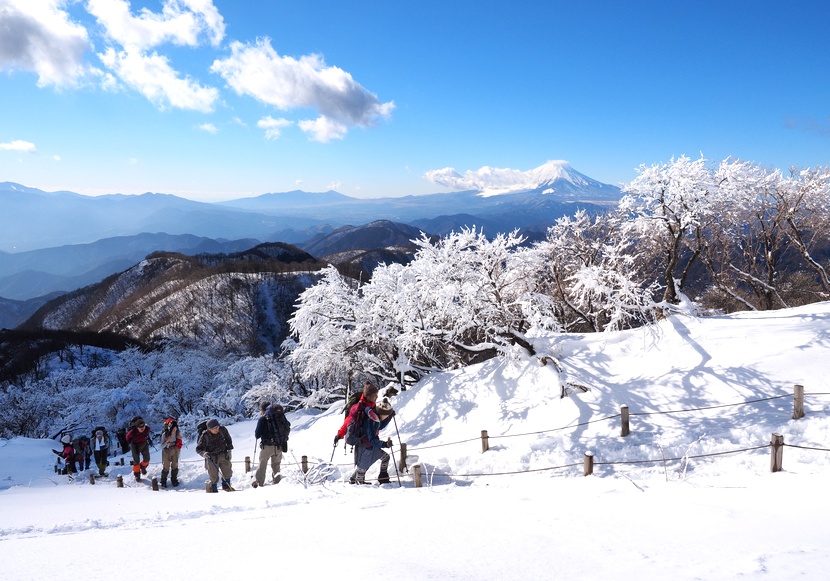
(711, 407)
(604, 419)
(808, 447)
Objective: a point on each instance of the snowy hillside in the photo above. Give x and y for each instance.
(688, 494)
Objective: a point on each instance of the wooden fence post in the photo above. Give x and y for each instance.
(624, 420)
(485, 441)
(91, 478)
(119, 481)
(208, 487)
(154, 484)
(777, 453)
(247, 464)
(416, 475)
(588, 464)
(798, 402)
(304, 461)
(402, 462)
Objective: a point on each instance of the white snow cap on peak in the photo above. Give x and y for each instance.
(493, 181)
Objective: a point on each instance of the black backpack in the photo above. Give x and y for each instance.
(200, 429)
(354, 431)
(280, 426)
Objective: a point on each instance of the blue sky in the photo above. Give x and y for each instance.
(214, 100)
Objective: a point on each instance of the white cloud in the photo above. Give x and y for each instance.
(323, 129)
(288, 83)
(18, 145)
(181, 22)
(334, 186)
(491, 180)
(208, 128)
(38, 36)
(273, 127)
(153, 77)
(56, 157)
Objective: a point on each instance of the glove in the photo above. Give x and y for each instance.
(336, 439)
(387, 443)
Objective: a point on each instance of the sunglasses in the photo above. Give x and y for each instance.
(141, 425)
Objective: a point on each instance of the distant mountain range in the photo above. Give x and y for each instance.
(33, 219)
(55, 242)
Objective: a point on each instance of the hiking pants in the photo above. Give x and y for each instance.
(141, 457)
(365, 457)
(101, 460)
(274, 453)
(170, 458)
(223, 463)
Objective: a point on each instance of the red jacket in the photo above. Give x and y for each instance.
(352, 413)
(137, 437)
(68, 453)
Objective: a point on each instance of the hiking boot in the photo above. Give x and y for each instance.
(174, 477)
(277, 478)
(137, 476)
(214, 487)
(144, 470)
(383, 477)
(164, 479)
(255, 484)
(226, 485)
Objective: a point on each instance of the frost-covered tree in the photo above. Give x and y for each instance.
(590, 269)
(806, 200)
(325, 325)
(671, 207)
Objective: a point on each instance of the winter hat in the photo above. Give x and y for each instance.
(264, 406)
(66, 439)
(384, 408)
(212, 423)
(369, 389)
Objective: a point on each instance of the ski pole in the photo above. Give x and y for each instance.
(332, 453)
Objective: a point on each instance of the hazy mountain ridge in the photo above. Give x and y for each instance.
(24, 275)
(35, 219)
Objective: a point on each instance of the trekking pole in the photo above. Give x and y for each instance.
(397, 473)
(332, 453)
(254, 454)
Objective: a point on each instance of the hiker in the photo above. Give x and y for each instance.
(67, 454)
(215, 445)
(83, 453)
(369, 448)
(138, 437)
(100, 446)
(171, 445)
(272, 430)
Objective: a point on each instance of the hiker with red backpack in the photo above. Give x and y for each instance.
(361, 428)
(171, 445)
(138, 437)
